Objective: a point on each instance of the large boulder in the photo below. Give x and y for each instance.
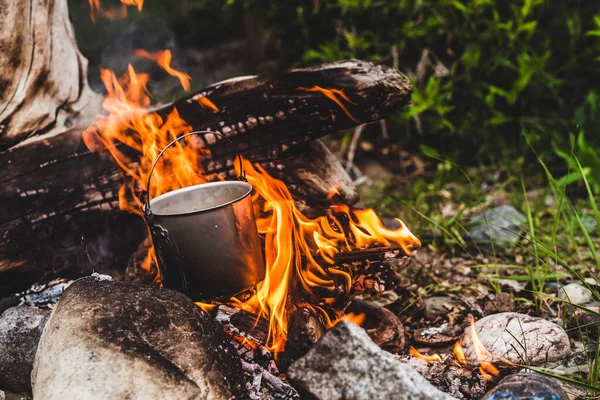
(114, 340)
(346, 364)
(20, 331)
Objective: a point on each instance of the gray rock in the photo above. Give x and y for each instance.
(500, 224)
(114, 340)
(518, 338)
(20, 331)
(346, 364)
(575, 293)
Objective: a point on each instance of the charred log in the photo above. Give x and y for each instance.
(382, 325)
(61, 200)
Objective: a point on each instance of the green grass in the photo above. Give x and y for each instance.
(555, 243)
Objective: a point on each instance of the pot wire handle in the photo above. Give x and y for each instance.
(241, 176)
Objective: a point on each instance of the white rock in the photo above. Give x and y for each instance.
(575, 293)
(518, 338)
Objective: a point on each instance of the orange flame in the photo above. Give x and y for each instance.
(484, 357)
(128, 123)
(415, 353)
(163, 58)
(206, 307)
(206, 103)
(299, 251)
(459, 353)
(333, 95)
(113, 13)
(355, 318)
(302, 250)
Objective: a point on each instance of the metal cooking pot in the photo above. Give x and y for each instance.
(205, 237)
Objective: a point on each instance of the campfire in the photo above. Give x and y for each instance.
(81, 265)
(300, 252)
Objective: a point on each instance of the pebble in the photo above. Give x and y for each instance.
(575, 293)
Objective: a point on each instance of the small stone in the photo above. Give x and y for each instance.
(518, 338)
(512, 285)
(346, 364)
(441, 306)
(117, 340)
(527, 386)
(592, 282)
(575, 293)
(383, 300)
(20, 331)
(500, 224)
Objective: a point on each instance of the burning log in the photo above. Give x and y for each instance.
(61, 210)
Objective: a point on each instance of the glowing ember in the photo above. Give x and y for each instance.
(243, 341)
(113, 13)
(163, 58)
(299, 251)
(415, 353)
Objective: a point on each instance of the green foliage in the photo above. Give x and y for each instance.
(484, 71)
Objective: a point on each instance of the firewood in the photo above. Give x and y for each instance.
(61, 200)
(242, 324)
(305, 328)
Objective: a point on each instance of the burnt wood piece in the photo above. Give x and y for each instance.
(242, 324)
(372, 269)
(260, 379)
(60, 201)
(382, 325)
(305, 328)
